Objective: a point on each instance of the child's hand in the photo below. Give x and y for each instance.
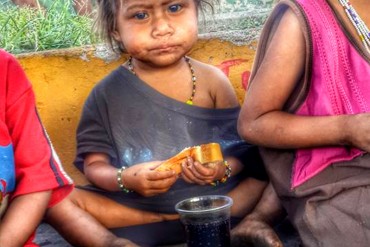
(144, 180)
(195, 172)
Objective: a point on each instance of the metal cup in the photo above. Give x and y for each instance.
(206, 220)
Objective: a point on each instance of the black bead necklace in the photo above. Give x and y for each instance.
(193, 77)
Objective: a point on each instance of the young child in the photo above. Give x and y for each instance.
(32, 181)
(308, 105)
(148, 110)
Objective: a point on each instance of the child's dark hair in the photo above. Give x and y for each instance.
(105, 22)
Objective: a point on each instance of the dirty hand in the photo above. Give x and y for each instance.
(195, 172)
(142, 179)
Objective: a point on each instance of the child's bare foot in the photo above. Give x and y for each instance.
(253, 232)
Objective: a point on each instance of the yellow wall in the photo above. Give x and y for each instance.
(62, 80)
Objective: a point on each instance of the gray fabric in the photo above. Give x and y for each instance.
(132, 123)
(331, 209)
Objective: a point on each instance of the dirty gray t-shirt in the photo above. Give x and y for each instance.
(133, 123)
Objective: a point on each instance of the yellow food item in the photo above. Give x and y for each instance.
(205, 154)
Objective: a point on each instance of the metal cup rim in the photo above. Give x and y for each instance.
(228, 204)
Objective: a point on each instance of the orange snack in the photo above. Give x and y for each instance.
(205, 153)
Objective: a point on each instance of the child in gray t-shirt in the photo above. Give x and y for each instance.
(149, 109)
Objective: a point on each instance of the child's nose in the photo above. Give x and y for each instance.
(162, 26)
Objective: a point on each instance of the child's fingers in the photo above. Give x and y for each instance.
(160, 175)
(203, 171)
(162, 185)
(155, 187)
(155, 164)
(186, 179)
(196, 168)
(189, 174)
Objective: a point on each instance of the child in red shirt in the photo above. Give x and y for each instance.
(32, 179)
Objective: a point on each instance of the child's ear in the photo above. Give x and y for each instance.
(115, 34)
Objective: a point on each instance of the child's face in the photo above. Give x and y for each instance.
(158, 32)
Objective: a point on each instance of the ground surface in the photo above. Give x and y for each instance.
(47, 237)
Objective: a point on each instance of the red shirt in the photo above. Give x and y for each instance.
(25, 149)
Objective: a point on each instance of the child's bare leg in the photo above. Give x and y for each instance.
(246, 196)
(81, 229)
(112, 214)
(256, 228)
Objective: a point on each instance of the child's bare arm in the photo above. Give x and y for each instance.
(78, 223)
(262, 120)
(224, 92)
(140, 178)
(28, 209)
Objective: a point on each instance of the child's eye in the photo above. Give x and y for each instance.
(141, 16)
(174, 8)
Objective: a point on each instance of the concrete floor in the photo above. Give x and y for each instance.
(46, 236)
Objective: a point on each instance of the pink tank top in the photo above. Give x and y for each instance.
(340, 84)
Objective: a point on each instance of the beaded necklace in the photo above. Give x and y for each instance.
(358, 23)
(193, 77)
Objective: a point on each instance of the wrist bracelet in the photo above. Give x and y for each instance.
(120, 180)
(226, 176)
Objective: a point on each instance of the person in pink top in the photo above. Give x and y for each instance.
(307, 107)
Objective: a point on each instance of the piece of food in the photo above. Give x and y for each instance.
(208, 154)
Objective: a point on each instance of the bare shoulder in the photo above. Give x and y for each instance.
(218, 86)
(276, 72)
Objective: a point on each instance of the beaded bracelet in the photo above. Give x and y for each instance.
(226, 176)
(120, 180)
